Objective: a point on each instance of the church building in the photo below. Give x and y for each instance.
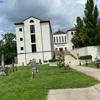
(34, 40)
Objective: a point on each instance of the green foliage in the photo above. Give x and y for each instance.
(76, 40)
(88, 28)
(85, 57)
(91, 65)
(53, 60)
(61, 59)
(19, 86)
(8, 45)
(54, 55)
(73, 56)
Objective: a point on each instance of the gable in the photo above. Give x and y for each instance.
(59, 32)
(32, 19)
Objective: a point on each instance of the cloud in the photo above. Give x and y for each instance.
(81, 1)
(61, 13)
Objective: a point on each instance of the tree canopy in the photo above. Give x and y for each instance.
(87, 29)
(8, 45)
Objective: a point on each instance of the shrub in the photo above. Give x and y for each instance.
(73, 56)
(53, 60)
(61, 60)
(37, 62)
(85, 57)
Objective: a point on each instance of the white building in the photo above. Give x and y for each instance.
(70, 33)
(62, 40)
(34, 40)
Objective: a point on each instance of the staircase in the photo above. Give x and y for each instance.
(70, 60)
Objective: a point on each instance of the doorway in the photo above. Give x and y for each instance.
(60, 49)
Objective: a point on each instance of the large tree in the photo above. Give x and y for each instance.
(77, 37)
(8, 45)
(89, 32)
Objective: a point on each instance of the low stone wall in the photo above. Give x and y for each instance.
(52, 63)
(84, 61)
(90, 50)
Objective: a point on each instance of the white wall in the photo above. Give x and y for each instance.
(43, 35)
(60, 35)
(90, 50)
(18, 36)
(60, 44)
(69, 36)
(47, 44)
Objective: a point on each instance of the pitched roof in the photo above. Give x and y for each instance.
(20, 23)
(72, 29)
(59, 32)
(41, 21)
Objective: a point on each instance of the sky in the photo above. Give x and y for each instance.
(61, 13)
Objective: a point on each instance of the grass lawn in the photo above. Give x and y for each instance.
(90, 65)
(19, 85)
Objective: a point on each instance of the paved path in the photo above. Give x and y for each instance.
(90, 93)
(89, 71)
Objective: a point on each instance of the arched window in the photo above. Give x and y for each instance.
(31, 21)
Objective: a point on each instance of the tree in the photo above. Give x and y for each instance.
(87, 34)
(8, 45)
(77, 38)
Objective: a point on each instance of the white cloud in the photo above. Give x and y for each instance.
(61, 13)
(81, 1)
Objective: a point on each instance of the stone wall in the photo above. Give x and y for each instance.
(90, 50)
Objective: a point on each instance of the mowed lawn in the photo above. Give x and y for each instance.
(90, 65)
(18, 85)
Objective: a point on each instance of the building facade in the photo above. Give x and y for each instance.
(34, 40)
(62, 40)
(70, 33)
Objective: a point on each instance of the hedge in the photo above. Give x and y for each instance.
(53, 60)
(85, 57)
(73, 56)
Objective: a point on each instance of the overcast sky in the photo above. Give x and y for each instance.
(61, 13)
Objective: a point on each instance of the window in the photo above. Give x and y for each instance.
(73, 47)
(33, 39)
(54, 39)
(65, 38)
(31, 21)
(59, 39)
(56, 49)
(33, 47)
(20, 29)
(21, 39)
(71, 33)
(21, 48)
(65, 48)
(32, 29)
(62, 39)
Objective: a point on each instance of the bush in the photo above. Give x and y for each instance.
(85, 57)
(53, 60)
(37, 62)
(73, 56)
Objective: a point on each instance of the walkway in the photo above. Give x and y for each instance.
(90, 93)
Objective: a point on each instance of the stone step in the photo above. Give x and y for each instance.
(72, 62)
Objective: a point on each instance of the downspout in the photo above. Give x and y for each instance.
(42, 43)
(24, 45)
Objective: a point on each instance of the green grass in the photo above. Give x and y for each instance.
(19, 85)
(90, 65)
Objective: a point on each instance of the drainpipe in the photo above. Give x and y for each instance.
(24, 44)
(42, 43)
